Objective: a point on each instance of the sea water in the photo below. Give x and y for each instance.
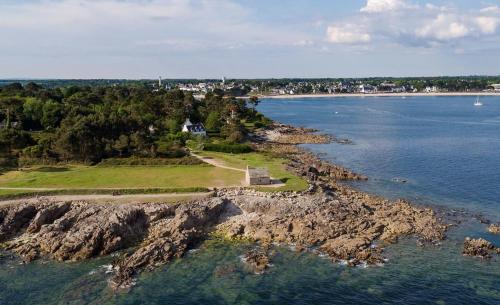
(446, 149)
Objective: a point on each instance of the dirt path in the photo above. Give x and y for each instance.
(216, 163)
(111, 198)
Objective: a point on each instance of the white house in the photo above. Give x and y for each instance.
(432, 89)
(194, 129)
(367, 89)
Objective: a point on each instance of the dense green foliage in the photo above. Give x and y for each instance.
(89, 124)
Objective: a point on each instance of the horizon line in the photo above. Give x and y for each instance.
(237, 78)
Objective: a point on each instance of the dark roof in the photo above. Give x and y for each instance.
(196, 128)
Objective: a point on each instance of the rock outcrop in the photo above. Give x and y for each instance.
(170, 235)
(286, 134)
(342, 228)
(76, 231)
(479, 248)
(494, 228)
(342, 225)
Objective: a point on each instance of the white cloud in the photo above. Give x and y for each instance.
(379, 6)
(404, 23)
(443, 27)
(491, 9)
(177, 25)
(487, 25)
(347, 34)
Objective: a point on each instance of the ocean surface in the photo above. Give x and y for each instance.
(446, 149)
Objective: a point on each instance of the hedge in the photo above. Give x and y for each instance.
(228, 148)
(136, 161)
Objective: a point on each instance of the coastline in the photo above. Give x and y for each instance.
(343, 95)
(330, 219)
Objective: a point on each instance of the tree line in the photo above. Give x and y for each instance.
(91, 123)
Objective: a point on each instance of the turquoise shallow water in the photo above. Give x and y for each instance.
(449, 152)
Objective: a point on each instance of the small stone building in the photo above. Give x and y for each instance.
(257, 176)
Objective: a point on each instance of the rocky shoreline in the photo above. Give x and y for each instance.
(330, 219)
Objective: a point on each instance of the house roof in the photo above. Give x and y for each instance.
(195, 128)
(258, 172)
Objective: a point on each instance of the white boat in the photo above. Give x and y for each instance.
(478, 103)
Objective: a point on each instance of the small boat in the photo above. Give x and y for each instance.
(478, 103)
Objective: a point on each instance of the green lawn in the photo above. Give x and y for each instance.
(88, 177)
(274, 165)
(8, 193)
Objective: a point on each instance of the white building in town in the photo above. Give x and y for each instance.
(496, 87)
(367, 89)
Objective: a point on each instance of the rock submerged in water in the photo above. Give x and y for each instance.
(494, 228)
(479, 248)
(258, 260)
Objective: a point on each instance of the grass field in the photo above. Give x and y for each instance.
(121, 177)
(274, 165)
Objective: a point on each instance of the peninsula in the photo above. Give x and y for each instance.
(120, 142)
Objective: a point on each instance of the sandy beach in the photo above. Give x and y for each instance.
(379, 95)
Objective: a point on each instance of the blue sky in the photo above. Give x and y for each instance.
(248, 39)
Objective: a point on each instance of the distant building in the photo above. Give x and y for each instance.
(194, 129)
(367, 89)
(257, 176)
(496, 87)
(432, 89)
(390, 88)
(14, 124)
(152, 129)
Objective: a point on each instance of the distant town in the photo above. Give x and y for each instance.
(298, 87)
(284, 87)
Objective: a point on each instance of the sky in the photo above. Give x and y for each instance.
(248, 38)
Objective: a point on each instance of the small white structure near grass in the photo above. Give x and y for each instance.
(194, 129)
(257, 176)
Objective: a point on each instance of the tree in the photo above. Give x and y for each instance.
(33, 112)
(52, 113)
(11, 107)
(213, 121)
(121, 144)
(172, 126)
(254, 101)
(234, 131)
(11, 139)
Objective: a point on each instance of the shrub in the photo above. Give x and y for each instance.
(228, 148)
(136, 161)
